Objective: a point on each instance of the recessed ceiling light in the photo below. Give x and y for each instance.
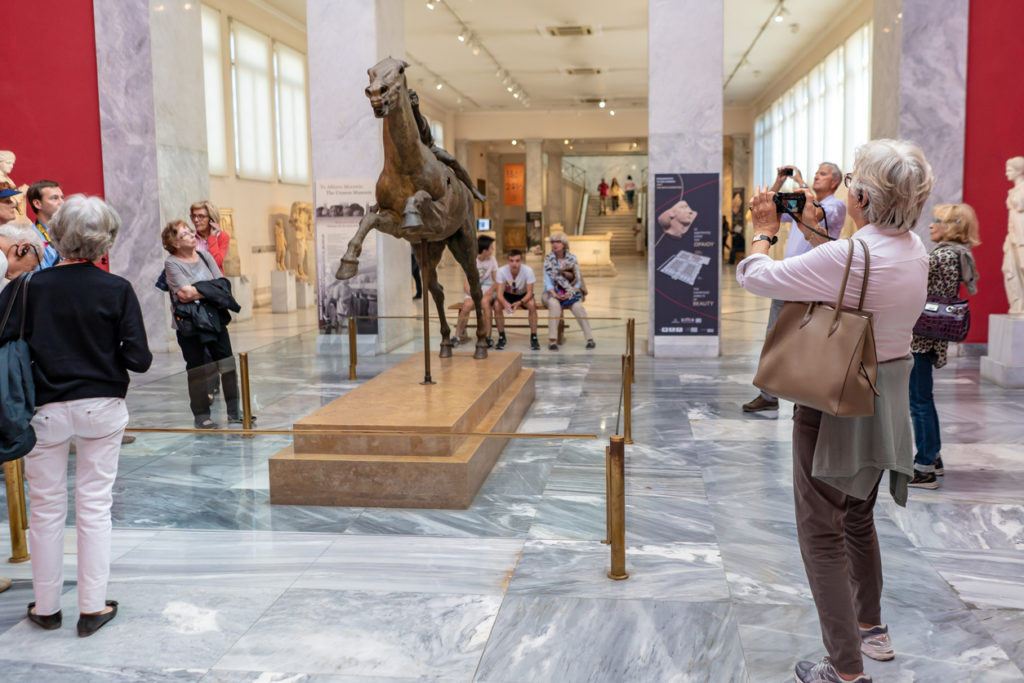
(565, 141)
(438, 85)
(612, 112)
(514, 142)
(462, 37)
(602, 104)
(431, 4)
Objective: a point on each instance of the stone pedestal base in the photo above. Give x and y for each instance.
(241, 289)
(304, 296)
(1004, 363)
(282, 291)
(398, 465)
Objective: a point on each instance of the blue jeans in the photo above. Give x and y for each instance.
(923, 415)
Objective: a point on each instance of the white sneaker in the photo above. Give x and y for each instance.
(876, 643)
(823, 672)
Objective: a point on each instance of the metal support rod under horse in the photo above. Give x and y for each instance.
(423, 194)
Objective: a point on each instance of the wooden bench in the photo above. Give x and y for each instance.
(562, 324)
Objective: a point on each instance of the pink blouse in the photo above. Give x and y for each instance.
(897, 283)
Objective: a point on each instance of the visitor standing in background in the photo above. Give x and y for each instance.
(602, 190)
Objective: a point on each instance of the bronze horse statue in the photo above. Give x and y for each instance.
(418, 198)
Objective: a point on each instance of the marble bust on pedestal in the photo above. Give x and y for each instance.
(7, 159)
(1013, 247)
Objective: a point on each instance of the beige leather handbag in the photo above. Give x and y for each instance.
(823, 356)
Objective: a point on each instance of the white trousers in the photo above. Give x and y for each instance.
(96, 425)
(554, 307)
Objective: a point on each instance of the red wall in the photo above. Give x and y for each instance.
(49, 105)
(995, 132)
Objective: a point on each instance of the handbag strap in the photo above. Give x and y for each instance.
(842, 289)
(20, 286)
(867, 268)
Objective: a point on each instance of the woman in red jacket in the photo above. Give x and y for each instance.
(206, 219)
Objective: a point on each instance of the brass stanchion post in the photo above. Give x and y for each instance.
(425, 274)
(607, 496)
(617, 457)
(16, 513)
(627, 397)
(243, 363)
(352, 347)
(631, 330)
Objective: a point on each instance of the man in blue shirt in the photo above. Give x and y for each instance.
(831, 214)
(45, 197)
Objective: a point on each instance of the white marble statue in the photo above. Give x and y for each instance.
(1013, 247)
(302, 222)
(280, 243)
(7, 159)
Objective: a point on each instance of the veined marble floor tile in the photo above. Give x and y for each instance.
(157, 626)
(983, 432)
(751, 430)
(122, 541)
(570, 640)
(772, 574)
(33, 672)
(674, 571)
(982, 578)
(679, 483)
(517, 479)
(490, 515)
(954, 526)
(649, 519)
(220, 558)
(225, 676)
(969, 485)
(368, 634)
(1007, 628)
(394, 564)
(982, 456)
(544, 424)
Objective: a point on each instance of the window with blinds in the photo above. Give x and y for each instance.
(213, 83)
(823, 117)
(251, 78)
(292, 128)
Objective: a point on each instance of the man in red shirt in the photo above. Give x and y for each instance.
(602, 189)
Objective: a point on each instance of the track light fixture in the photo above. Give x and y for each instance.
(431, 4)
(602, 104)
(462, 37)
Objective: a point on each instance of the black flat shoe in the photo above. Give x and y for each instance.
(49, 622)
(88, 624)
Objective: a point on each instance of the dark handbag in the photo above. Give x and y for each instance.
(946, 318)
(567, 303)
(17, 388)
(823, 357)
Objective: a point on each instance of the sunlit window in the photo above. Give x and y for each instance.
(823, 117)
(292, 130)
(250, 88)
(213, 82)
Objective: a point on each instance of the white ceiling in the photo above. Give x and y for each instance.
(512, 31)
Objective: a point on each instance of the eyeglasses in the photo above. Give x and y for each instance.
(197, 216)
(847, 179)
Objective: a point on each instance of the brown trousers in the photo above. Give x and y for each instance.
(839, 548)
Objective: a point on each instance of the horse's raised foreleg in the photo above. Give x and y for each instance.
(349, 265)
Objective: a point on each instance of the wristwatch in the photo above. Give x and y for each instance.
(765, 238)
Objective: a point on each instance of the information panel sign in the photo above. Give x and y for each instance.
(686, 248)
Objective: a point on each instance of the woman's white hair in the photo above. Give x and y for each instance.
(560, 237)
(895, 180)
(84, 227)
(22, 233)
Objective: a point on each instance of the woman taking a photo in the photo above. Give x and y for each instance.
(834, 505)
(185, 267)
(85, 332)
(955, 228)
(564, 288)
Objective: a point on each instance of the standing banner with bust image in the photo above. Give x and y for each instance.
(339, 206)
(686, 246)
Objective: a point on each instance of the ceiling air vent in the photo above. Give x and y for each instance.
(569, 31)
(583, 71)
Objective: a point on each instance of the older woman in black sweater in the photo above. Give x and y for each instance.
(85, 332)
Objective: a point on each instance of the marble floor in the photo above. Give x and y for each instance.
(217, 585)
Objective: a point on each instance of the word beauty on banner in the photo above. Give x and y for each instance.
(686, 246)
(339, 207)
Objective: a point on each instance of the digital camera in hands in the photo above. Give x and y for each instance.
(790, 202)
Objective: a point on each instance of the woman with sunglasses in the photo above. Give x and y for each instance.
(955, 230)
(206, 219)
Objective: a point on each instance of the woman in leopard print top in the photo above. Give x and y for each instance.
(955, 229)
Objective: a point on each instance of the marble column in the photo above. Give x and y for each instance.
(153, 130)
(553, 201)
(685, 128)
(534, 175)
(347, 139)
(919, 62)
